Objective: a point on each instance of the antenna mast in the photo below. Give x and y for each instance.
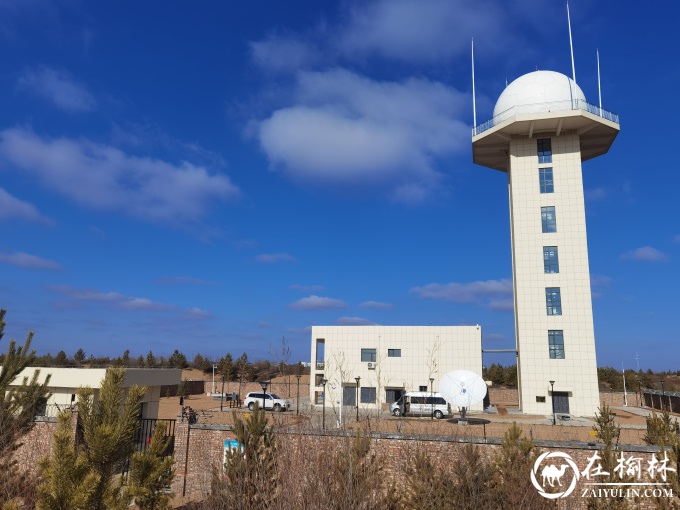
(474, 105)
(599, 87)
(571, 46)
(625, 393)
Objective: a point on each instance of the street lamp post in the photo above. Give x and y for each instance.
(214, 366)
(552, 398)
(663, 394)
(431, 398)
(297, 404)
(222, 395)
(640, 392)
(264, 385)
(323, 408)
(358, 380)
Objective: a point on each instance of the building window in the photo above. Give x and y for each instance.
(553, 302)
(548, 220)
(368, 355)
(367, 395)
(551, 263)
(394, 353)
(545, 178)
(544, 150)
(540, 399)
(556, 344)
(422, 388)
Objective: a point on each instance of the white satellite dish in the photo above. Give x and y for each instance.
(462, 388)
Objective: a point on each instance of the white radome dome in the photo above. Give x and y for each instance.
(537, 92)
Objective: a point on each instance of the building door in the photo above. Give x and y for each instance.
(561, 400)
(393, 394)
(349, 396)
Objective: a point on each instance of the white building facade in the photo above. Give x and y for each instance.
(542, 130)
(375, 365)
(64, 384)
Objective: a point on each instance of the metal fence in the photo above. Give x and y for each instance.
(669, 400)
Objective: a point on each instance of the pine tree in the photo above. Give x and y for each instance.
(250, 481)
(512, 466)
(664, 432)
(608, 432)
(17, 410)
(108, 431)
(151, 473)
(67, 482)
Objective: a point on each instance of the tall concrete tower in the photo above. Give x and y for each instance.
(542, 129)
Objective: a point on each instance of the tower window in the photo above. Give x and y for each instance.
(553, 301)
(551, 263)
(368, 355)
(544, 150)
(548, 220)
(394, 353)
(556, 343)
(545, 177)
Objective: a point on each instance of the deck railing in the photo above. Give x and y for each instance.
(555, 106)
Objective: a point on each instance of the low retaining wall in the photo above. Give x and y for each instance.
(200, 450)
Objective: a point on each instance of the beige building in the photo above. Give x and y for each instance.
(388, 361)
(64, 382)
(542, 130)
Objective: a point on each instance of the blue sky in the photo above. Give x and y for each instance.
(214, 176)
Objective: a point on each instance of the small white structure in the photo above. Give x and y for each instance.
(377, 364)
(541, 131)
(64, 383)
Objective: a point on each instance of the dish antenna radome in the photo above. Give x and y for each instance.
(462, 388)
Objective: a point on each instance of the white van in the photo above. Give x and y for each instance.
(421, 403)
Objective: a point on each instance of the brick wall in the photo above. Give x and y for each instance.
(37, 444)
(615, 398)
(503, 396)
(193, 474)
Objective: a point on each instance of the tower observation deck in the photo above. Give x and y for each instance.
(541, 131)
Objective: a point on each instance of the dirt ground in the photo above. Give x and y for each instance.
(538, 427)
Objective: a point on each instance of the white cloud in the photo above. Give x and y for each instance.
(116, 299)
(196, 314)
(350, 131)
(595, 194)
(645, 254)
(422, 32)
(496, 337)
(317, 303)
(307, 288)
(103, 177)
(273, 258)
(353, 321)
(282, 54)
(11, 207)
(496, 294)
(376, 304)
(26, 261)
(59, 87)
